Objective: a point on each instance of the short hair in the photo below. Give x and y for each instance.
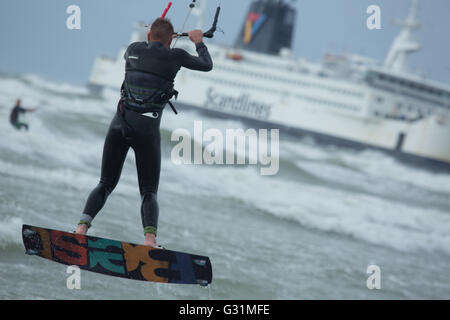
(161, 30)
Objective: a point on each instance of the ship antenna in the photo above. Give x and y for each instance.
(405, 43)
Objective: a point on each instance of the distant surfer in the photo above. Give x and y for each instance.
(14, 116)
(150, 70)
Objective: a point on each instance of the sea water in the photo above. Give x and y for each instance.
(309, 232)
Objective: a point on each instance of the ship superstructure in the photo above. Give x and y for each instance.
(346, 97)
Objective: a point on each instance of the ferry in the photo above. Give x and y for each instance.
(348, 99)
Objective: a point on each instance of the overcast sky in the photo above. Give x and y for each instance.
(35, 39)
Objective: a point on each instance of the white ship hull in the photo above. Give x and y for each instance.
(332, 107)
(349, 98)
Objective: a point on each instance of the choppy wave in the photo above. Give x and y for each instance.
(365, 195)
(10, 232)
(361, 216)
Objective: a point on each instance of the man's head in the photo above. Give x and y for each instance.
(161, 31)
(18, 102)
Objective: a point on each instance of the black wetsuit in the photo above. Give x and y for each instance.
(14, 117)
(148, 65)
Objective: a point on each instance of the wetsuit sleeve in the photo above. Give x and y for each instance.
(201, 63)
(22, 110)
(130, 47)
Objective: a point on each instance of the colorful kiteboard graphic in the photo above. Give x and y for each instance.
(116, 258)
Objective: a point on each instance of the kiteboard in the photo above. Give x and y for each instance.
(117, 258)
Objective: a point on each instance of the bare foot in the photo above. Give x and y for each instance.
(82, 229)
(150, 240)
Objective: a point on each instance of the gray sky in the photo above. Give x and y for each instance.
(35, 39)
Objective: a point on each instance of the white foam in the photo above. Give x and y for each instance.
(10, 231)
(375, 163)
(364, 217)
(371, 218)
(371, 163)
(53, 86)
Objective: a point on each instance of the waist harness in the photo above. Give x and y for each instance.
(143, 100)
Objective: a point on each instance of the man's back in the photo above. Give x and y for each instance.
(153, 63)
(150, 71)
(14, 116)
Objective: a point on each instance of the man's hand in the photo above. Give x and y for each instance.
(196, 36)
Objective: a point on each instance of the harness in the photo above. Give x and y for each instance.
(143, 100)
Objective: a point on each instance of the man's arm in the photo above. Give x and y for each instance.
(23, 110)
(201, 63)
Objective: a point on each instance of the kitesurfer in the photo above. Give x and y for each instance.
(14, 116)
(150, 70)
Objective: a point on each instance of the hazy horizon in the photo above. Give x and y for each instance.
(36, 40)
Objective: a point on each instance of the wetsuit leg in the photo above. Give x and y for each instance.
(18, 125)
(21, 124)
(114, 154)
(146, 144)
(148, 164)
